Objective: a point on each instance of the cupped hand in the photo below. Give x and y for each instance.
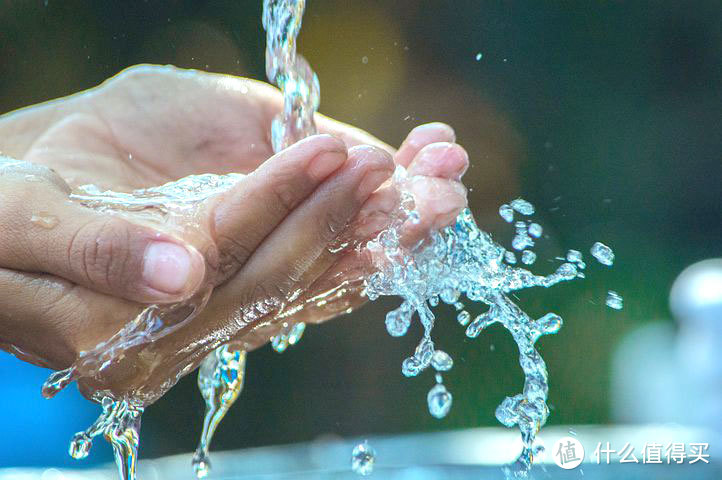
(71, 277)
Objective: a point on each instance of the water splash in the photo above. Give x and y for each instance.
(220, 380)
(463, 259)
(363, 458)
(120, 425)
(603, 254)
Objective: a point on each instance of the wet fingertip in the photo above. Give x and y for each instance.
(376, 166)
(441, 159)
(431, 133)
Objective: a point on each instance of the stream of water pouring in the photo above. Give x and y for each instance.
(220, 377)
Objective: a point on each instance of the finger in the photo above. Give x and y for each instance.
(440, 159)
(49, 321)
(421, 136)
(438, 201)
(246, 214)
(351, 136)
(297, 251)
(41, 231)
(299, 247)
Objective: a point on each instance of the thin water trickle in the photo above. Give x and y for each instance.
(220, 381)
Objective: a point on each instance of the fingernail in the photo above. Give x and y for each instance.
(167, 267)
(323, 164)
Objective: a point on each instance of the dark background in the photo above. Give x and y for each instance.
(605, 114)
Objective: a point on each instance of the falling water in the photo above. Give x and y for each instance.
(220, 380)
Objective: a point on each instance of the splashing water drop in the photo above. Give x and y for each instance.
(528, 257)
(363, 458)
(80, 445)
(574, 256)
(442, 361)
(602, 253)
(507, 213)
(509, 257)
(522, 206)
(522, 239)
(463, 318)
(439, 401)
(398, 322)
(535, 230)
(614, 300)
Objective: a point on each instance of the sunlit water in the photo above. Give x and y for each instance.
(459, 264)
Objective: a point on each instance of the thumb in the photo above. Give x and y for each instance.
(41, 231)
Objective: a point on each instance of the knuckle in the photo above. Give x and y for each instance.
(101, 251)
(330, 225)
(283, 194)
(234, 252)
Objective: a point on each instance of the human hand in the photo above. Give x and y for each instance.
(70, 287)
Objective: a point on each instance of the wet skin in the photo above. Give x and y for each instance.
(265, 246)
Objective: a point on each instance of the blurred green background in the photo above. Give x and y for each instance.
(607, 115)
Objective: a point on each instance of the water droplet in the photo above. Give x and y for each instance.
(614, 300)
(463, 318)
(522, 206)
(294, 336)
(45, 220)
(602, 253)
(279, 343)
(439, 400)
(535, 230)
(201, 465)
(574, 256)
(478, 56)
(528, 257)
(80, 445)
(363, 458)
(507, 213)
(509, 257)
(33, 178)
(549, 323)
(364, 59)
(442, 361)
(397, 322)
